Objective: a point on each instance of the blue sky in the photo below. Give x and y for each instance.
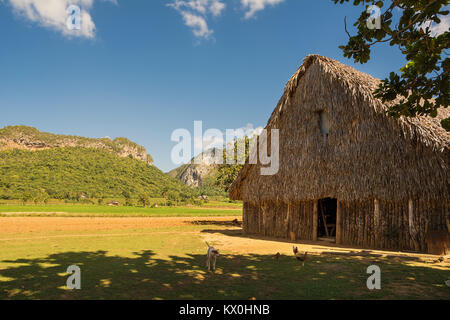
(142, 72)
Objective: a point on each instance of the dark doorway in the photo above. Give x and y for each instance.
(326, 226)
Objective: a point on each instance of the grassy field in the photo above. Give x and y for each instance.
(75, 210)
(164, 258)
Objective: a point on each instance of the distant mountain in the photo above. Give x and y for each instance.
(204, 172)
(68, 167)
(200, 171)
(29, 138)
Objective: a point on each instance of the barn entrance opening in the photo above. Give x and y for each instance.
(326, 226)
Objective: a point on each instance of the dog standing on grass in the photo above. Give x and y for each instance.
(211, 256)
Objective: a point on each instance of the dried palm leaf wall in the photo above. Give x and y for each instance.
(278, 219)
(392, 225)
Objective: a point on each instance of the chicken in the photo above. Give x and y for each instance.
(298, 256)
(302, 259)
(439, 260)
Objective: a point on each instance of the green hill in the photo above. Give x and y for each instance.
(68, 173)
(43, 165)
(29, 138)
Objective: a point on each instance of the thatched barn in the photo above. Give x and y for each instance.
(348, 172)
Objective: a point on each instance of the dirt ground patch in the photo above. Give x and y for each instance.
(231, 240)
(221, 232)
(14, 225)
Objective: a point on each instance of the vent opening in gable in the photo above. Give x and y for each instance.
(324, 122)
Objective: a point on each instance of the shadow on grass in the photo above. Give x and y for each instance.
(231, 223)
(144, 276)
(333, 249)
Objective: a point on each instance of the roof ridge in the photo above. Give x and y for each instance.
(429, 128)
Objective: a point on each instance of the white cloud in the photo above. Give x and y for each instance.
(216, 7)
(198, 24)
(217, 138)
(52, 14)
(250, 131)
(195, 14)
(439, 28)
(253, 6)
(209, 141)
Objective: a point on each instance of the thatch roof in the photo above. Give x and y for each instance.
(366, 154)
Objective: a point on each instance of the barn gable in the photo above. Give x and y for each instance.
(336, 141)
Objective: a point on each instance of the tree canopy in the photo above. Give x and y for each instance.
(422, 85)
(74, 172)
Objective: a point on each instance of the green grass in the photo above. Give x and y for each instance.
(78, 210)
(168, 263)
(223, 204)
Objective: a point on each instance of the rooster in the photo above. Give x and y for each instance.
(298, 256)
